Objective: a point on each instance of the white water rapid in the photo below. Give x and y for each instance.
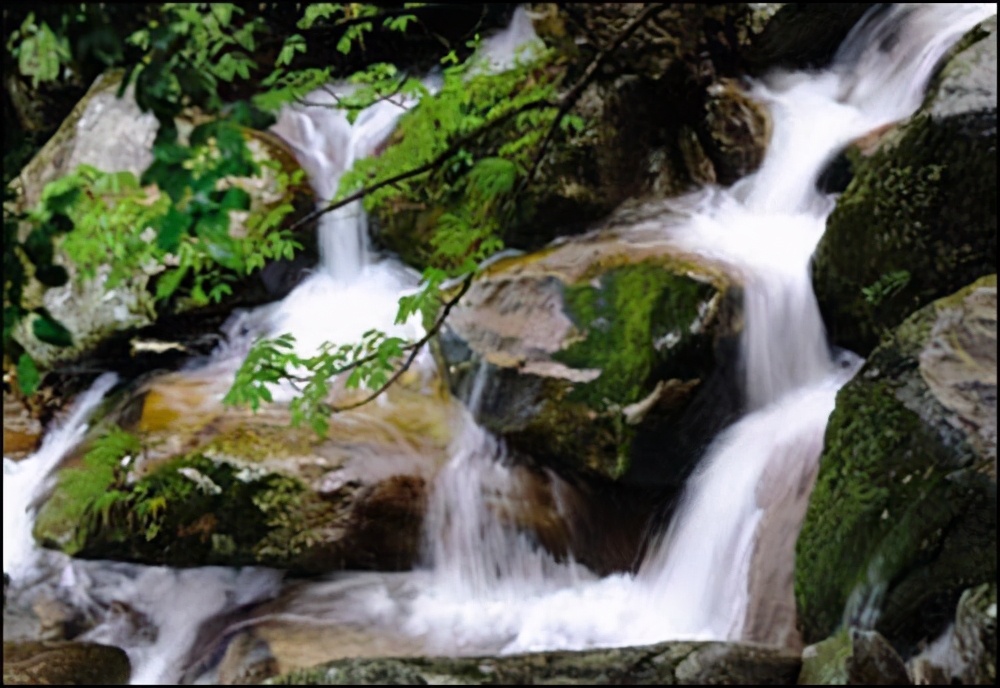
(485, 587)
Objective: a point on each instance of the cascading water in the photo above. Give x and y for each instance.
(486, 587)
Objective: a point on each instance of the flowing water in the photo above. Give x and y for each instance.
(721, 570)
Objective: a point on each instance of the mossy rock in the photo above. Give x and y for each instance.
(664, 664)
(112, 134)
(577, 353)
(202, 485)
(903, 515)
(919, 219)
(853, 657)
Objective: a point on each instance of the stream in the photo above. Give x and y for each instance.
(720, 570)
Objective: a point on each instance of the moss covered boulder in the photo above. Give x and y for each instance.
(195, 484)
(903, 515)
(579, 353)
(919, 219)
(113, 135)
(664, 664)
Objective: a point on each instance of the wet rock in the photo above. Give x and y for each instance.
(975, 636)
(903, 515)
(579, 354)
(221, 486)
(800, 35)
(667, 663)
(33, 663)
(853, 657)
(113, 135)
(919, 218)
(21, 429)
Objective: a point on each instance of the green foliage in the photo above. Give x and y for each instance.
(886, 286)
(273, 361)
(39, 50)
(91, 491)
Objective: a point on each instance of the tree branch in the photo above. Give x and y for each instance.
(439, 159)
(568, 100)
(414, 348)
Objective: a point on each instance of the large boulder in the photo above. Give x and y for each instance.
(663, 664)
(589, 352)
(903, 515)
(798, 35)
(199, 484)
(112, 134)
(919, 219)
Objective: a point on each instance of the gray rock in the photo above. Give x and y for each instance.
(903, 515)
(919, 219)
(663, 664)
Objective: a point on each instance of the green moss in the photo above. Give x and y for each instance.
(258, 442)
(85, 494)
(925, 206)
(893, 531)
(620, 320)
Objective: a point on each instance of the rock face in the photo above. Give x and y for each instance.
(575, 354)
(798, 35)
(34, 663)
(21, 430)
(215, 486)
(664, 664)
(919, 219)
(903, 516)
(853, 657)
(113, 135)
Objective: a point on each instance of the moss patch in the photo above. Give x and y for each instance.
(633, 313)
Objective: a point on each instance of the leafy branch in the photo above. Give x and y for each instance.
(271, 361)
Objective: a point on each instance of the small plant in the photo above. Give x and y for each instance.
(889, 284)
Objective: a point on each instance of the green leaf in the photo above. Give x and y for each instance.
(28, 377)
(50, 330)
(173, 225)
(235, 199)
(169, 281)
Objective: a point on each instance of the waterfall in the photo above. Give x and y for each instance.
(722, 568)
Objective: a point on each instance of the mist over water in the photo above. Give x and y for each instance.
(485, 586)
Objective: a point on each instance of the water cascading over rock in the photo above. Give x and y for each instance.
(722, 568)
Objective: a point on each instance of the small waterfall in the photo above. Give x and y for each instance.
(25, 482)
